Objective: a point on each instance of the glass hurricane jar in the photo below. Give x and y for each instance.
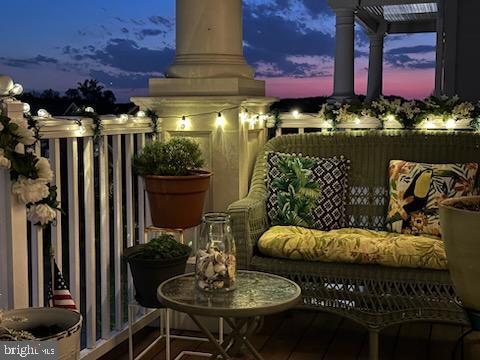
(216, 260)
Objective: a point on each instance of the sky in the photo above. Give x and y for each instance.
(122, 43)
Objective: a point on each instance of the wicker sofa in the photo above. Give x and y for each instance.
(375, 296)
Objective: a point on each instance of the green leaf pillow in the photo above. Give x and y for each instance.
(306, 191)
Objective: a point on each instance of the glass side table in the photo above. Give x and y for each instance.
(257, 294)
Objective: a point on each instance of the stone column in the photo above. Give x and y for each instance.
(209, 40)
(343, 78)
(210, 75)
(375, 66)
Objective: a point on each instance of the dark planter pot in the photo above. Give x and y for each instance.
(176, 202)
(53, 324)
(149, 274)
(461, 233)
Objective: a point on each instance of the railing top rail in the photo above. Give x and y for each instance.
(79, 126)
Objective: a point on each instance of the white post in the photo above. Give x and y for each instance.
(209, 40)
(13, 235)
(343, 78)
(375, 66)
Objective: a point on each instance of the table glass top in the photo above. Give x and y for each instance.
(253, 290)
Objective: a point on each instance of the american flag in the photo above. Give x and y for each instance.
(61, 296)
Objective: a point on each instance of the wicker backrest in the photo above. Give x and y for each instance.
(369, 153)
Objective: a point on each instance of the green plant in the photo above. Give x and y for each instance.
(161, 248)
(176, 157)
(297, 192)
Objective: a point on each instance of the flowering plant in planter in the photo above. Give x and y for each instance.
(30, 174)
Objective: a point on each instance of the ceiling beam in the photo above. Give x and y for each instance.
(402, 27)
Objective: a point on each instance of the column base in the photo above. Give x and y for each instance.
(232, 86)
(342, 99)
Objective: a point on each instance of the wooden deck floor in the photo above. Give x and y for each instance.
(305, 335)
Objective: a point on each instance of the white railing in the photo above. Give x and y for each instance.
(98, 192)
(313, 122)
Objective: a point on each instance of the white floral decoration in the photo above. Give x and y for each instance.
(41, 214)
(29, 190)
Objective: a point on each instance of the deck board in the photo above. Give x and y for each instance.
(310, 335)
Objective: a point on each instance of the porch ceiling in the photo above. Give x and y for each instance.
(401, 16)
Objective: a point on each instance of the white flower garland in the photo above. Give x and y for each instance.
(30, 174)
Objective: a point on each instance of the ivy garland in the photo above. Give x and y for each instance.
(30, 174)
(154, 117)
(97, 125)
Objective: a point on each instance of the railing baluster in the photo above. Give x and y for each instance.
(38, 294)
(54, 155)
(141, 194)
(104, 238)
(118, 227)
(73, 219)
(89, 216)
(129, 203)
(301, 130)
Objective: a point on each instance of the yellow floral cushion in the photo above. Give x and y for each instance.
(349, 245)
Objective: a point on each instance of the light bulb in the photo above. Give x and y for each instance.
(89, 109)
(357, 121)
(428, 124)
(124, 117)
(220, 121)
(244, 116)
(450, 123)
(390, 117)
(295, 113)
(17, 89)
(26, 108)
(183, 123)
(141, 114)
(81, 130)
(43, 113)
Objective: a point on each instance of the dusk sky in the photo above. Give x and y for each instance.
(56, 43)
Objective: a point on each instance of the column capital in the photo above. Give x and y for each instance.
(339, 5)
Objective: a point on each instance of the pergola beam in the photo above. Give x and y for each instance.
(367, 21)
(402, 27)
(393, 2)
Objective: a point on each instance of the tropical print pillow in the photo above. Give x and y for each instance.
(416, 189)
(306, 191)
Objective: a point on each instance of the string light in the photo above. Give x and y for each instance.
(43, 113)
(17, 89)
(390, 117)
(357, 121)
(141, 114)
(428, 124)
(220, 121)
(183, 123)
(89, 109)
(450, 123)
(81, 130)
(26, 108)
(124, 117)
(244, 116)
(295, 113)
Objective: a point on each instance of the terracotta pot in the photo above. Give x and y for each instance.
(461, 233)
(176, 202)
(148, 274)
(66, 325)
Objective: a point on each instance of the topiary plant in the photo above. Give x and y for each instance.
(176, 157)
(163, 247)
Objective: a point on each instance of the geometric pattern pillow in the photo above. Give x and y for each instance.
(416, 189)
(306, 191)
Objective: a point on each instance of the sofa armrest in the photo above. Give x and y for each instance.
(249, 222)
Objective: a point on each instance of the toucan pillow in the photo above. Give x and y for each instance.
(306, 191)
(416, 190)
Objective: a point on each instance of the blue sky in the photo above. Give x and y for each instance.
(122, 43)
